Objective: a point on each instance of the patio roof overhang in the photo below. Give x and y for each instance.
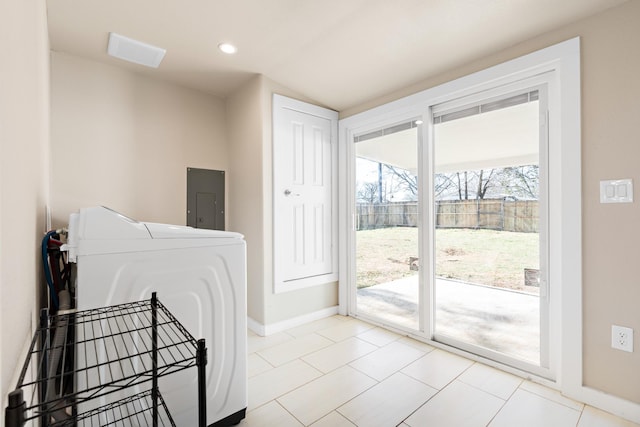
(500, 138)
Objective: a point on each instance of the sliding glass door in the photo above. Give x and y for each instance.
(468, 266)
(386, 225)
(475, 244)
(489, 226)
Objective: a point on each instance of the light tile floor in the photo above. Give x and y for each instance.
(340, 371)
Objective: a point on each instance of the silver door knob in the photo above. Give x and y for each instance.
(287, 192)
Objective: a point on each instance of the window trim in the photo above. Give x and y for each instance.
(563, 61)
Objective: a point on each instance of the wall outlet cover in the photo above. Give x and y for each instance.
(622, 338)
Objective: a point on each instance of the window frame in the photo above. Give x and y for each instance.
(562, 62)
(549, 307)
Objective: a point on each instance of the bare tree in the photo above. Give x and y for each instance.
(407, 181)
(368, 192)
(463, 185)
(521, 181)
(460, 184)
(516, 181)
(484, 183)
(443, 184)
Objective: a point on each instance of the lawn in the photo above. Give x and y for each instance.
(488, 257)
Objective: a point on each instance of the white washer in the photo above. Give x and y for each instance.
(199, 275)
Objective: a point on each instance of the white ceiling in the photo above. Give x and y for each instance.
(339, 52)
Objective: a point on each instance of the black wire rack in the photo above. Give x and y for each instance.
(77, 357)
(132, 411)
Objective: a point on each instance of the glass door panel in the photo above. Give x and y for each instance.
(486, 191)
(386, 225)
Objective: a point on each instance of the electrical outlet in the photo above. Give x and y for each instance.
(622, 338)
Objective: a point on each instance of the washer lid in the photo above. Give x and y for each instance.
(102, 223)
(166, 231)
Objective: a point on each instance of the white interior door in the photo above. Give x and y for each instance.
(303, 194)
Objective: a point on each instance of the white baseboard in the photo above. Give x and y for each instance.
(265, 330)
(255, 326)
(607, 402)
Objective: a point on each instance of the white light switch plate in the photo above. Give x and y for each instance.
(616, 191)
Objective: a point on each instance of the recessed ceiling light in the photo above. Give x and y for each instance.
(227, 48)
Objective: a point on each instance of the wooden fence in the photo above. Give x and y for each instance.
(380, 215)
(494, 214)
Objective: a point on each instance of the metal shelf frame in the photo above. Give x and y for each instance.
(103, 351)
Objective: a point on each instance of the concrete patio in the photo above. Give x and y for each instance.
(495, 318)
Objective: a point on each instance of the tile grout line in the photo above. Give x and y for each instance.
(404, 420)
(377, 382)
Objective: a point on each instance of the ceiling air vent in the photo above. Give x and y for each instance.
(134, 51)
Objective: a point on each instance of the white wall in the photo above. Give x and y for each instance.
(245, 116)
(24, 153)
(125, 141)
(249, 118)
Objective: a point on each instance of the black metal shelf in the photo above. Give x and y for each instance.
(134, 410)
(103, 351)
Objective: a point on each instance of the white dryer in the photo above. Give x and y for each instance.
(199, 275)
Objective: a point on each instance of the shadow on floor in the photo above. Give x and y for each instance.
(498, 319)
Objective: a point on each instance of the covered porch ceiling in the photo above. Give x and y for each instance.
(500, 138)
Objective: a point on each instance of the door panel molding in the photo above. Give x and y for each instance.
(304, 194)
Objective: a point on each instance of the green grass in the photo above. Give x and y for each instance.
(382, 255)
(488, 257)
